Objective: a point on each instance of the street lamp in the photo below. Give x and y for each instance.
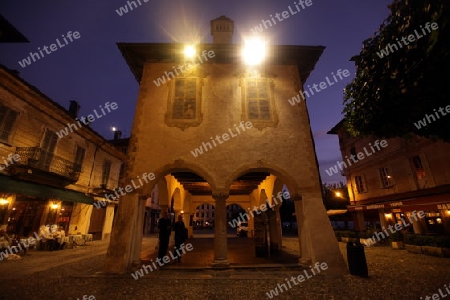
(54, 206)
(254, 51)
(189, 51)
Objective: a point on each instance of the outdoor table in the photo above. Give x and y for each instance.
(88, 237)
(76, 238)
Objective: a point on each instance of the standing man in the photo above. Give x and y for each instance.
(180, 234)
(164, 226)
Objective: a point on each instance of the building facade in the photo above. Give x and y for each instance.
(53, 170)
(215, 130)
(204, 216)
(389, 179)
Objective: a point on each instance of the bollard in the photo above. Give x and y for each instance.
(356, 259)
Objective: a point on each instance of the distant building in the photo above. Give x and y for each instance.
(204, 216)
(152, 208)
(48, 176)
(388, 183)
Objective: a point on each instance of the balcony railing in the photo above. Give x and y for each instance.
(37, 158)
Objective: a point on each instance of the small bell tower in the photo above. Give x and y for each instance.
(222, 30)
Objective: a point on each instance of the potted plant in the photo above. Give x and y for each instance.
(435, 245)
(412, 243)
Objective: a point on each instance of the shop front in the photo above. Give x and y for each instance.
(435, 221)
(26, 206)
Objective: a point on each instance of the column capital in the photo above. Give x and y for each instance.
(220, 195)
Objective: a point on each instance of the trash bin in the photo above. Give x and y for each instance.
(356, 259)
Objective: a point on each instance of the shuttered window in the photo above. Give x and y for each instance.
(7, 120)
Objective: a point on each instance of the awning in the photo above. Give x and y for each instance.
(10, 185)
(333, 212)
(433, 202)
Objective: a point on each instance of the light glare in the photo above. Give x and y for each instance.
(254, 51)
(189, 51)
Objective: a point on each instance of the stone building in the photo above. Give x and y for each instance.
(395, 177)
(53, 168)
(212, 129)
(204, 216)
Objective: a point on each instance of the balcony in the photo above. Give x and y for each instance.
(40, 166)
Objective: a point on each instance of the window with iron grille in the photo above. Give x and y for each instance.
(184, 103)
(258, 99)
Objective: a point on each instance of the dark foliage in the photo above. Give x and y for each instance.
(390, 93)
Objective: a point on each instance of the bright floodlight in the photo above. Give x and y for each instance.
(113, 128)
(189, 51)
(254, 51)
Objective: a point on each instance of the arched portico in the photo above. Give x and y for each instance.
(227, 145)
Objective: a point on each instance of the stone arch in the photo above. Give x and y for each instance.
(176, 201)
(163, 193)
(182, 166)
(263, 167)
(262, 197)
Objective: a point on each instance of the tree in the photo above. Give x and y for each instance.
(394, 89)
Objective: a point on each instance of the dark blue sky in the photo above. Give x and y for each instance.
(92, 71)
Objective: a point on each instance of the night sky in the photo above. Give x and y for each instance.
(92, 71)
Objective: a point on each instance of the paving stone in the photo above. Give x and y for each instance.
(72, 273)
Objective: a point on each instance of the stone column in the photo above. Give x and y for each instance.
(188, 224)
(275, 234)
(305, 257)
(383, 221)
(119, 255)
(220, 236)
(137, 237)
(318, 241)
(419, 225)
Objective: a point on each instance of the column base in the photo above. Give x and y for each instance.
(136, 263)
(221, 263)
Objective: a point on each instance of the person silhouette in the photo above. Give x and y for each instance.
(165, 227)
